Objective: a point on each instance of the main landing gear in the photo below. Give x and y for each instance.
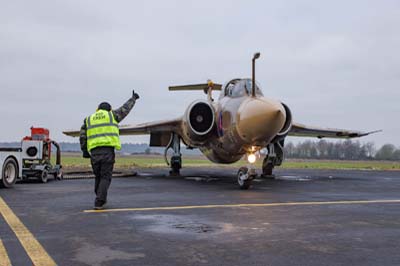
(273, 158)
(176, 159)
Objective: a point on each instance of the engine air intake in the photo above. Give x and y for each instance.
(201, 118)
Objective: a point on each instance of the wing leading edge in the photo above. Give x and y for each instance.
(300, 130)
(175, 125)
(142, 129)
(152, 127)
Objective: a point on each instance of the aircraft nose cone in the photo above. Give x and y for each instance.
(260, 119)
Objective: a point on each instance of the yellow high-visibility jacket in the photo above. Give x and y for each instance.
(102, 130)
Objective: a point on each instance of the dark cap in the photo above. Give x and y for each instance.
(104, 106)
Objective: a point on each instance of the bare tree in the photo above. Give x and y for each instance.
(348, 149)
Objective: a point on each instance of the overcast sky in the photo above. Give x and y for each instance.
(335, 63)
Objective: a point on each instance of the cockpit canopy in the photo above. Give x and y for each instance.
(238, 88)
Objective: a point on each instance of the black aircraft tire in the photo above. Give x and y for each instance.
(175, 171)
(176, 165)
(176, 168)
(244, 184)
(9, 173)
(267, 169)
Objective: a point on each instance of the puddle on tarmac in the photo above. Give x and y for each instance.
(182, 224)
(146, 174)
(201, 179)
(294, 178)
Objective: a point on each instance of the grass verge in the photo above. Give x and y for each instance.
(72, 162)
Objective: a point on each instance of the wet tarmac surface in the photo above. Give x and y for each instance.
(322, 218)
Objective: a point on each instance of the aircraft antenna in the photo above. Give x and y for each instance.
(253, 78)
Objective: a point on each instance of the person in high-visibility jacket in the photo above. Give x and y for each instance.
(99, 137)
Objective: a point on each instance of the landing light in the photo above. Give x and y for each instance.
(251, 158)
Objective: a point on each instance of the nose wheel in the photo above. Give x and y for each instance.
(245, 177)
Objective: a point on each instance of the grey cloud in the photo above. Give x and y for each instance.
(335, 63)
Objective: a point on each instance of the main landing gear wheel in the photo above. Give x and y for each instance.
(267, 168)
(245, 178)
(176, 159)
(44, 176)
(176, 165)
(9, 173)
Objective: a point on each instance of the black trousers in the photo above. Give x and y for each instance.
(102, 159)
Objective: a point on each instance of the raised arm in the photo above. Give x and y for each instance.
(123, 111)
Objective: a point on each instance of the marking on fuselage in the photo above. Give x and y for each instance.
(33, 248)
(220, 125)
(276, 204)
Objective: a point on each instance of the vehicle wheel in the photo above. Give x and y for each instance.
(59, 175)
(9, 173)
(244, 183)
(44, 176)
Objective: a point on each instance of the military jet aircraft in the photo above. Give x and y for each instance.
(240, 123)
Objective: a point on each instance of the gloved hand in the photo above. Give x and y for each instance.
(135, 95)
(86, 154)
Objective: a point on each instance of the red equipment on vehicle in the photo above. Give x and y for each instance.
(36, 155)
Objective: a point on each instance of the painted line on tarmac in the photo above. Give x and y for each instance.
(33, 248)
(276, 204)
(4, 259)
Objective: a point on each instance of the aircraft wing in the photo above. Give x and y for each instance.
(152, 127)
(165, 126)
(300, 130)
(71, 133)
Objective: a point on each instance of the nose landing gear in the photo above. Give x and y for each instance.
(245, 177)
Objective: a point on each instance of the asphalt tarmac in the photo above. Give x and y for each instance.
(304, 217)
